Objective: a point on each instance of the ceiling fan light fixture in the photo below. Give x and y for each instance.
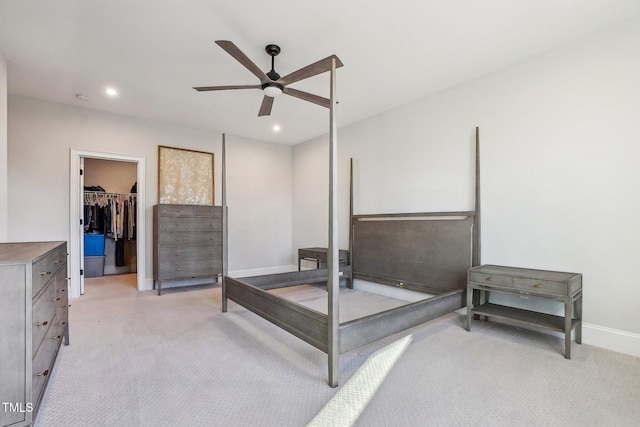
(272, 89)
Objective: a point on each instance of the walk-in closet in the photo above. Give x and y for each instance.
(109, 217)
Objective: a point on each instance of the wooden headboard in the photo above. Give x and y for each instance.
(427, 252)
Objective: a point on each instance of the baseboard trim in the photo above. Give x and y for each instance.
(148, 282)
(263, 270)
(611, 339)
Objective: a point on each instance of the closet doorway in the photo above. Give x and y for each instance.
(106, 178)
(110, 196)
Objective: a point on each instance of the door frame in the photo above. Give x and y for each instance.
(76, 194)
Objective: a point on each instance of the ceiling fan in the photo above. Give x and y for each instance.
(271, 83)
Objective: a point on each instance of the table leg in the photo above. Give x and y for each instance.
(579, 318)
(469, 305)
(568, 315)
(66, 334)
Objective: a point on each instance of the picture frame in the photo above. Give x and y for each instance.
(185, 177)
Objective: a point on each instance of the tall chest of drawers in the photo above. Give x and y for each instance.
(187, 243)
(33, 324)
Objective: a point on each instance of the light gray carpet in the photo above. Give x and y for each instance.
(137, 359)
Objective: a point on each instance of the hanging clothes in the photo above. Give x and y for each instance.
(111, 214)
(114, 215)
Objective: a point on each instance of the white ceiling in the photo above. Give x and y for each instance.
(155, 51)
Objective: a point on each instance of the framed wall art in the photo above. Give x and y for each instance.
(185, 176)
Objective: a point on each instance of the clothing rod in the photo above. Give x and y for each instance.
(102, 193)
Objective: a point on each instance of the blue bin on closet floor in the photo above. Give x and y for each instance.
(94, 245)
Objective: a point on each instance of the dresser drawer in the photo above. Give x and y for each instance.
(490, 279)
(191, 238)
(43, 362)
(194, 253)
(188, 224)
(46, 267)
(176, 210)
(542, 286)
(189, 211)
(44, 310)
(190, 269)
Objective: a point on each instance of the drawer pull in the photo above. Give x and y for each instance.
(62, 290)
(177, 238)
(178, 269)
(488, 279)
(56, 299)
(57, 337)
(537, 285)
(44, 273)
(43, 374)
(45, 323)
(62, 323)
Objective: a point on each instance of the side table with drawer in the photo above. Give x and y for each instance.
(319, 256)
(549, 285)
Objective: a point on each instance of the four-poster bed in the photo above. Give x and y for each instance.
(428, 252)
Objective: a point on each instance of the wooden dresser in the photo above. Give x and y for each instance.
(33, 322)
(187, 243)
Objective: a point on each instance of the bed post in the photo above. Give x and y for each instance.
(225, 245)
(476, 225)
(333, 350)
(350, 281)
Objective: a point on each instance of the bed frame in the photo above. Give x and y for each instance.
(428, 252)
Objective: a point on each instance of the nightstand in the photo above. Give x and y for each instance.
(544, 284)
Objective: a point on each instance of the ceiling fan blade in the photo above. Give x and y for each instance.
(265, 108)
(308, 97)
(318, 67)
(233, 50)
(206, 88)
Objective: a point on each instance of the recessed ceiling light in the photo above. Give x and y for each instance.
(111, 92)
(81, 97)
(276, 128)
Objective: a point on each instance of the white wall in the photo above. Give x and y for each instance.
(41, 135)
(560, 143)
(4, 233)
(113, 176)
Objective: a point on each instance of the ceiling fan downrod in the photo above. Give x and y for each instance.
(273, 51)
